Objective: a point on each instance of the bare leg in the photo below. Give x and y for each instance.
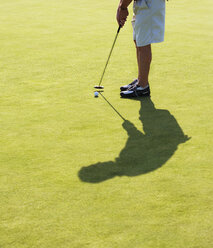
(137, 53)
(144, 58)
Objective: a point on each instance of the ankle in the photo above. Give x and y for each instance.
(143, 84)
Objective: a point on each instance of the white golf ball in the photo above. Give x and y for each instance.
(96, 94)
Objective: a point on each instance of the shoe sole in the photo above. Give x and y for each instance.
(134, 96)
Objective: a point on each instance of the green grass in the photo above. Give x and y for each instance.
(71, 173)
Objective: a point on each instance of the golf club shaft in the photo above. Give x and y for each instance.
(109, 55)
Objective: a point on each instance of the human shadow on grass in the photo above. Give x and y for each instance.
(144, 151)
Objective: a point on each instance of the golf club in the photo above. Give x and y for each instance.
(99, 85)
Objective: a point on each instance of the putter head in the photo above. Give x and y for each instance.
(99, 87)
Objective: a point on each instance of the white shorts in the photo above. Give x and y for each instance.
(148, 21)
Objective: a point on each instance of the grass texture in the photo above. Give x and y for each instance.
(72, 172)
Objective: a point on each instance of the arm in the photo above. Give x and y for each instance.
(123, 12)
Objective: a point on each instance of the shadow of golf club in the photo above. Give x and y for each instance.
(143, 152)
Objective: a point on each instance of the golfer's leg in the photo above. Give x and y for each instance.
(144, 55)
(137, 53)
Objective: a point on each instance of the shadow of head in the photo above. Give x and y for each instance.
(144, 151)
(98, 172)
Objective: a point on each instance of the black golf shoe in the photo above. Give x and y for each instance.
(136, 91)
(125, 87)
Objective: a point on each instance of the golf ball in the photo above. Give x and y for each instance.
(96, 94)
